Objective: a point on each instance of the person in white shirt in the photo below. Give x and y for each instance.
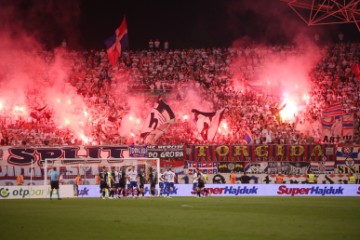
(132, 176)
(161, 182)
(267, 135)
(169, 176)
(195, 179)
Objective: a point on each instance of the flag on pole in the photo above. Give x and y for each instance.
(207, 123)
(335, 109)
(335, 123)
(157, 122)
(117, 43)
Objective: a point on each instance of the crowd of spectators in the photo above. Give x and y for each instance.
(212, 71)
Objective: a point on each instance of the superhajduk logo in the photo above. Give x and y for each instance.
(4, 192)
(322, 191)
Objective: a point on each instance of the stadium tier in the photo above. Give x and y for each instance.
(262, 110)
(250, 95)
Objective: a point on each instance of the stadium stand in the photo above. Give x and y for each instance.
(155, 71)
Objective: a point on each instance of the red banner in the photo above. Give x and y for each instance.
(259, 153)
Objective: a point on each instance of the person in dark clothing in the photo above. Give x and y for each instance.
(218, 179)
(267, 179)
(122, 182)
(245, 179)
(103, 181)
(141, 183)
(152, 181)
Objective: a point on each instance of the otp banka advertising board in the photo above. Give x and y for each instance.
(25, 192)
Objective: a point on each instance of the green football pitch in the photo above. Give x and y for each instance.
(182, 218)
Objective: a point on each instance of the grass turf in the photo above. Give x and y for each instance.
(182, 218)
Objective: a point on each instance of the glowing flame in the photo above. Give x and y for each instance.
(223, 128)
(290, 110)
(18, 111)
(84, 139)
(306, 98)
(16, 108)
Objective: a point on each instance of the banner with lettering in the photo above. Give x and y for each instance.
(26, 192)
(256, 167)
(262, 153)
(30, 160)
(348, 154)
(288, 167)
(165, 151)
(238, 190)
(204, 167)
(348, 158)
(177, 166)
(137, 151)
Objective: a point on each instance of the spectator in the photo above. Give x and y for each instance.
(20, 179)
(166, 45)
(351, 179)
(279, 179)
(232, 178)
(157, 44)
(151, 44)
(245, 179)
(78, 181)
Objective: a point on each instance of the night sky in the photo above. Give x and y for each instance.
(85, 24)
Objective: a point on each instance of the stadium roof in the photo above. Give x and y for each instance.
(327, 12)
(85, 24)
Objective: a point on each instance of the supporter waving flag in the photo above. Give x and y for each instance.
(158, 121)
(248, 136)
(348, 126)
(207, 123)
(332, 121)
(335, 109)
(117, 42)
